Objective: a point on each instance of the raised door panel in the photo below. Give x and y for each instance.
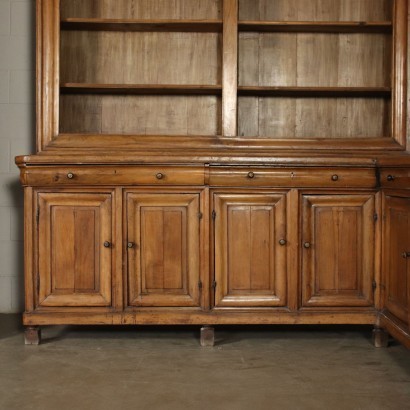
(163, 249)
(338, 240)
(396, 271)
(250, 250)
(74, 242)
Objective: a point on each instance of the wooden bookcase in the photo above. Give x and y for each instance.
(219, 162)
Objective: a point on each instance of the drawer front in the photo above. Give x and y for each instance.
(293, 177)
(395, 178)
(94, 175)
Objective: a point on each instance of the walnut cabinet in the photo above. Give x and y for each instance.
(219, 162)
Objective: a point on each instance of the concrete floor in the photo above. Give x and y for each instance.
(256, 368)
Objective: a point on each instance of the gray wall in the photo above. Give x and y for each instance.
(17, 135)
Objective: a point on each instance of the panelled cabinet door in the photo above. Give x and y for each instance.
(163, 249)
(396, 257)
(338, 240)
(250, 250)
(74, 243)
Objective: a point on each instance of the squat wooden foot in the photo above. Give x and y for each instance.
(207, 336)
(380, 337)
(32, 335)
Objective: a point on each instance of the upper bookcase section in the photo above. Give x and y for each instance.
(211, 74)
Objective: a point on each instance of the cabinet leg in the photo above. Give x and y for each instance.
(32, 335)
(380, 337)
(207, 336)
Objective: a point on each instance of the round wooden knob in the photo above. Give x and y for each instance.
(251, 175)
(282, 242)
(70, 175)
(390, 178)
(335, 177)
(159, 175)
(130, 245)
(306, 245)
(107, 244)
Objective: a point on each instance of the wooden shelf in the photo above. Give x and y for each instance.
(316, 27)
(140, 89)
(202, 26)
(329, 92)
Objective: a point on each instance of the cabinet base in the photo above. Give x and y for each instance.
(32, 335)
(380, 337)
(207, 336)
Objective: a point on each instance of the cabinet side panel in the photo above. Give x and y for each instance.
(397, 280)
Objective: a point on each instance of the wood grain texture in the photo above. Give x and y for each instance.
(400, 61)
(337, 243)
(343, 60)
(47, 71)
(280, 117)
(142, 9)
(75, 266)
(396, 266)
(164, 262)
(140, 58)
(316, 10)
(163, 316)
(250, 264)
(140, 115)
(230, 68)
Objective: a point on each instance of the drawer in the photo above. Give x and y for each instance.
(395, 178)
(111, 175)
(293, 177)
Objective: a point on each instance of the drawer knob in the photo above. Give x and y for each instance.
(335, 177)
(251, 175)
(70, 175)
(306, 245)
(282, 242)
(130, 245)
(405, 255)
(159, 175)
(390, 178)
(107, 244)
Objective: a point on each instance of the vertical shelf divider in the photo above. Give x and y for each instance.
(230, 68)
(399, 80)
